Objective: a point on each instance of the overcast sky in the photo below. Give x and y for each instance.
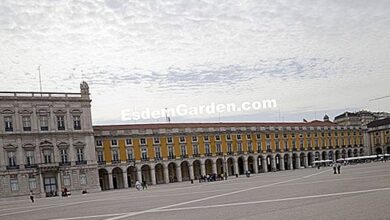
(312, 57)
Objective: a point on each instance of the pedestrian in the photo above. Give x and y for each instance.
(145, 185)
(334, 168)
(31, 196)
(138, 185)
(338, 168)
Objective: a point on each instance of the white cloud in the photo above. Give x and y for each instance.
(309, 55)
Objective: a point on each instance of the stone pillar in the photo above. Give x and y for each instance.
(264, 164)
(290, 164)
(126, 184)
(202, 168)
(166, 174)
(59, 183)
(306, 162)
(281, 162)
(153, 175)
(245, 164)
(178, 173)
(255, 166)
(273, 163)
(298, 162)
(139, 175)
(110, 181)
(42, 185)
(191, 168)
(235, 166)
(214, 168)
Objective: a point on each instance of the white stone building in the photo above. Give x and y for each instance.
(46, 143)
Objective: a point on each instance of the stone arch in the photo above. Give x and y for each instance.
(209, 166)
(240, 162)
(286, 157)
(295, 161)
(317, 156)
(361, 152)
(220, 168)
(104, 179)
(230, 166)
(146, 175)
(355, 153)
(324, 155)
(337, 155)
(302, 159)
(197, 169)
(185, 171)
(269, 162)
(251, 164)
(350, 154)
(310, 158)
(117, 178)
(172, 172)
(330, 155)
(131, 176)
(378, 150)
(278, 161)
(259, 163)
(159, 173)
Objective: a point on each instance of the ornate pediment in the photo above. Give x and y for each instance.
(59, 112)
(7, 111)
(25, 111)
(46, 144)
(79, 144)
(76, 112)
(43, 111)
(10, 147)
(62, 145)
(28, 146)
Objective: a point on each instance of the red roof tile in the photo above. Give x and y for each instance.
(315, 123)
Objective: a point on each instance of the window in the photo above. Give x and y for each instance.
(115, 155)
(277, 145)
(64, 155)
(14, 185)
(268, 145)
(301, 143)
(130, 153)
(60, 123)
(142, 140)
(316, 142)
(170, 152)
(238, 136)
(183, 149)
(182, 139)
(26, 123)
(207, 149)
(32, 183)
(30, 157)
(217, 137)
(100, 157)
(229, 148)
(219, 149)
(80, 154)
(206, 138)
(258, 146)
(266, 135)
(83, 179)
(286, 145)
(293, 135)
(195, 149)
(76, 122)
(293, 144)
(276, 135)
(47, 156)
(99, 143)
(250, 147)
(157, 152)
(66, 180)
(284, 135)
(239, 147)
(114, 142)
(8, 123)
(169, 140)
(258, 136)
(129, 142)
(228, 137)
(248, 136)
(156, 140)
(144, 153)
(11, 158)
(44, 123)
(194, 138)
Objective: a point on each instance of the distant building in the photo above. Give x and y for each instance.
(46, 143)
(360, 118)
(379, 136)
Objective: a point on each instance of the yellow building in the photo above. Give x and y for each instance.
(174, 152)
(378, 133)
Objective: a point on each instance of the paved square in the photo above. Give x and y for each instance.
(360, 192)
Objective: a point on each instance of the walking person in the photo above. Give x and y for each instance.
(138, 185)
(334, 168)
(338, 168)
(31, 196)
